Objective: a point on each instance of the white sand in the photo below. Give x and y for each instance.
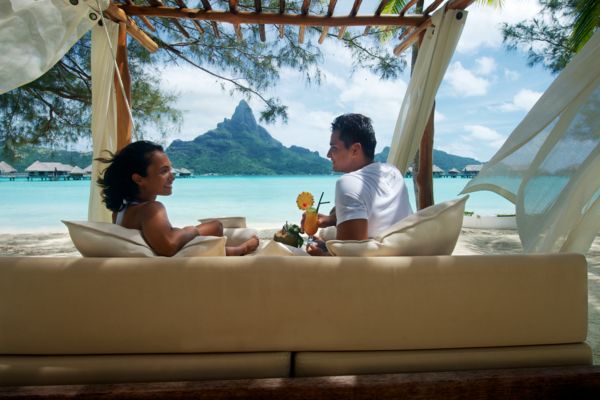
(471, 241)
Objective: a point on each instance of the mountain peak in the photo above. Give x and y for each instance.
(243, 115)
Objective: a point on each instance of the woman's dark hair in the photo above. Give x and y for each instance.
(356, 128)
(116, 181)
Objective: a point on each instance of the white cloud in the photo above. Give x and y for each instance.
(484, 136)
(439, 117)
(522, 101)
(464, 82)
(511, 75)
(477, 141)
(482, 28)
(485, 65)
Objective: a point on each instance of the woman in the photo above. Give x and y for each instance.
(136, 175)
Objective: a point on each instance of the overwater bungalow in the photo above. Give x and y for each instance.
(184, 173)
(6, 169)
(437, 171)
(76, 173)
(87, 171)
(48, 170)
(472, 170)
(453, 173)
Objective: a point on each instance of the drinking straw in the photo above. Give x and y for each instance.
(321, 202)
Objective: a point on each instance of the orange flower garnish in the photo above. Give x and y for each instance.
(305, 200)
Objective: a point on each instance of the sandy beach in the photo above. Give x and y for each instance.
(471, 241)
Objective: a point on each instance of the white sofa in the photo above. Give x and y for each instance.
(108, 320)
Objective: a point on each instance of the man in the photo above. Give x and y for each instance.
(370, 197)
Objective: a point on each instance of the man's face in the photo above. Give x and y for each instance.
(341, 156)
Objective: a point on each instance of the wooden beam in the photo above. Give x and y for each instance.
(325, 29)
(114, 13)
(208, 7)
(378, 11)
(124, 123)
(180, 28)
(261, 27)
(406, 7)
(304, 12)
(413, 34)
(353, 13)
(236, 26)
(281, 11)
(459, 4)
(272, 18)
(570, 382)
(145, 20)
(182, 4)
(411, 37)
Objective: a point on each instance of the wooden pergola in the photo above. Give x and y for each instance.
(125, 12)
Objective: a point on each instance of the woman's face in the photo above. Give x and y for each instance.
(159, 178)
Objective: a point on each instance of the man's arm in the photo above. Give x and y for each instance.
(354, 229)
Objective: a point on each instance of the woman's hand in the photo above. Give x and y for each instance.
(317, 248)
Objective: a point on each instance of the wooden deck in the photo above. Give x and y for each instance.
(580, 382)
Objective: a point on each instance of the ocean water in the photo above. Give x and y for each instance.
(265, 201)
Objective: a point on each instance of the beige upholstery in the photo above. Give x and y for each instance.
(432, 231)
(103, 239)
(263, 304)
(387, 362)
(56, 370)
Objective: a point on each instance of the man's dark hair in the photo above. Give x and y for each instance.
(356, 128)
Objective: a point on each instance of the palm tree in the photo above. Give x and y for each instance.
(587, 20)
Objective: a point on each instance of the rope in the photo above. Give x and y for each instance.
(119, 78)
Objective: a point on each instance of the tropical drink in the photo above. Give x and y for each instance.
(311, 222)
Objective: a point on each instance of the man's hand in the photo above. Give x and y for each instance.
(317, 248)
(323, 221)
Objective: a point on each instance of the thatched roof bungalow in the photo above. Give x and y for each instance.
(6, 169)
(472, 170)
(48, 168)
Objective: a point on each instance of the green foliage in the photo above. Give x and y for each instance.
(56, 107)
(28, 154)
(442, 159)
(239, 146)
(553, 37)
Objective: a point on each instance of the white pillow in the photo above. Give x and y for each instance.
(228, 222)
(328, 233)
(237, 236)
(429, 232)
(103, 239)
(273, 248)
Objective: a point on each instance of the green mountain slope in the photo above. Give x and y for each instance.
(239, 146)
(442, 159)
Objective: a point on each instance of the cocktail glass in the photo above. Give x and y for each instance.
(311, 224)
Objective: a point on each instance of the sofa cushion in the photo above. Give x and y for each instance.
(273, 248)
(431, 231)
(103, 239)
(228, 222)
(119, 368)
(237, 236)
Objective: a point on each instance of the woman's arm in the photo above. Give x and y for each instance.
(158, 232)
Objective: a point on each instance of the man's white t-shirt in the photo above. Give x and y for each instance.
(376, 192)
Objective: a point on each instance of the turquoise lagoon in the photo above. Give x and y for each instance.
(266, 201)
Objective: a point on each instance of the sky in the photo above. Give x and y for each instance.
(485, 93)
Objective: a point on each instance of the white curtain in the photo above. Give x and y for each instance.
(550, 165)
(104, 121)
(435, 53)
(36, 34)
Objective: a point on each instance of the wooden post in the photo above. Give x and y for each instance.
(423, 165)
(425, 170)
(124, 123)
